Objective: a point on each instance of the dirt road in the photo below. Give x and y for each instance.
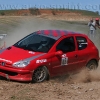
(81, 86)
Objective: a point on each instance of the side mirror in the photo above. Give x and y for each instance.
(58, 53)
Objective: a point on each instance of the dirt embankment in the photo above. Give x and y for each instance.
(54, 14)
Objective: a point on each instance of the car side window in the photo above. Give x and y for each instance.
(66, 45)
(81, 42)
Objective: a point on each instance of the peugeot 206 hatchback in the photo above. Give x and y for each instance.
(47, 53)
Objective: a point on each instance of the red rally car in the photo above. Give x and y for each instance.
(47, 53)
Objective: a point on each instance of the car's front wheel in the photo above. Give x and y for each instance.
(40, 74)
(92, 65)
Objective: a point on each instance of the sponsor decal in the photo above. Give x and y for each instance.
(64, 55)
(31, 52)
(41, 61)
(6, 60)
(64, 60)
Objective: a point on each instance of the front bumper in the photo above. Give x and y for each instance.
(15, 74)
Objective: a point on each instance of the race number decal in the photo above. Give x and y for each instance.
(64, 60)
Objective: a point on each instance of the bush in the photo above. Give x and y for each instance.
(34, 11)
(2, 13)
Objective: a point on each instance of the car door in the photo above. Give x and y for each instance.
(69, 59)
(83, 52)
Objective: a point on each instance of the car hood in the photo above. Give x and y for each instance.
(14, 54)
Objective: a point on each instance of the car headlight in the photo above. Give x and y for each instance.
(21, 64)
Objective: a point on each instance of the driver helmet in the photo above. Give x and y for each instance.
(45, 41)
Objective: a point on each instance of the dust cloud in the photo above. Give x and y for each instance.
(85, 76)
(26, 27)
(29, 25)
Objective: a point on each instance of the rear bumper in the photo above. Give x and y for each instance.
(16, 74)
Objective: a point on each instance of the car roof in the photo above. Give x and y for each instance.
(56, 34)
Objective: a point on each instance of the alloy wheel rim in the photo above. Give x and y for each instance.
(39, 75)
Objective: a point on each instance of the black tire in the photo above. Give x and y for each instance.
(40, 75)
(92, 65)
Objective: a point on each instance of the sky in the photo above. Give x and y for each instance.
(92, 5)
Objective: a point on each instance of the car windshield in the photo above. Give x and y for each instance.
(36, 42)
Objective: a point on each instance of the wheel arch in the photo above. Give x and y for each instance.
(92, 60)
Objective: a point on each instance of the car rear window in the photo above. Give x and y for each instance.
(81, 42)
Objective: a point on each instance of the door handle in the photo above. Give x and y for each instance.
(76, 55)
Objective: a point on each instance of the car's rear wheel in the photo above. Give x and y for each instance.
(40, 74)
(92, 65)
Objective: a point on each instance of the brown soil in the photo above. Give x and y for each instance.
(81, 86)
(51, 14)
